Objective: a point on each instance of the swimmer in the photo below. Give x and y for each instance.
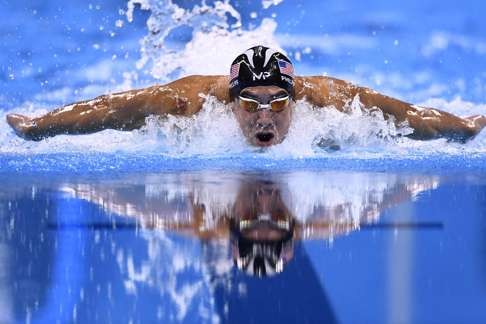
(261, 91)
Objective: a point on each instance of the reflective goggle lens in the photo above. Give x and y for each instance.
(249, 104)
(279, 104)
(252, 105)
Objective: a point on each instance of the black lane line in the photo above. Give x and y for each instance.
(92, 226)
(405, 225)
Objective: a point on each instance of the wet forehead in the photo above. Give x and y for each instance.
(263, 91)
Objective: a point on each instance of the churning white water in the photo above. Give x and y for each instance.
(217, 36)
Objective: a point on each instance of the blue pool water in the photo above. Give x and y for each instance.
(137, 226)
(372, 247)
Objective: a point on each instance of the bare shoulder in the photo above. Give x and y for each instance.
(324, 91)
(202, 83)
(320, 80)
(215, 85)
(186, 95)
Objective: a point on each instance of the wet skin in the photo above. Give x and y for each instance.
(264, 127)
(185, 97)
(260, 213)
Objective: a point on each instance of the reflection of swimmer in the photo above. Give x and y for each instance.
(258, 214)
(262, 229)
(262, 90)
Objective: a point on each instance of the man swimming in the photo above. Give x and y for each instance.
(262, 92)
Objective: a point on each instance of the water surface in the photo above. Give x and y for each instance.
(365, 247)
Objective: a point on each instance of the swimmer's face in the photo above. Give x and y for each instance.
(260, 213)
(263, 127)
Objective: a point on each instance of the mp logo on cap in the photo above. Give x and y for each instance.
(261, 75)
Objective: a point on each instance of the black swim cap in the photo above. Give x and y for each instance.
(261, 257)
(261, 66)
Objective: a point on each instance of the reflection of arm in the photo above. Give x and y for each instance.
(337, 220)
(427, 123)
(123, 111)
(193, 226)
(181, 215)
(218, 230)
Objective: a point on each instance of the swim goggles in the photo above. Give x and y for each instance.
(252, 105)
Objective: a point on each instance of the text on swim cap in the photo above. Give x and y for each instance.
(261, 75)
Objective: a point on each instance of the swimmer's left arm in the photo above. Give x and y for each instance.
(427, 123)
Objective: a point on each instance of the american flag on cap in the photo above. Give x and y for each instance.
(286, 67)
(235, 69)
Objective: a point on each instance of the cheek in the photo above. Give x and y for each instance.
(283, 120)
(245, 119)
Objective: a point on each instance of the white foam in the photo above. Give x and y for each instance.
(350, 129)
(214, 132)
(268, 3)
(215, 42)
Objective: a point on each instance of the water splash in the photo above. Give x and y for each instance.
(215, 133)
(315, 130)
(216, 37)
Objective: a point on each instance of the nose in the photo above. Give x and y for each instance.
(264, 124)
(264, 114)
(264, 120)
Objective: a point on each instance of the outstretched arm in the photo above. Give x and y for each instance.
(427, 123)
(124, 110)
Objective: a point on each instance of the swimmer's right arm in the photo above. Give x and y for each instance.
(122, 111)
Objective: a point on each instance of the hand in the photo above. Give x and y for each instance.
(478, 122)
(22, 125)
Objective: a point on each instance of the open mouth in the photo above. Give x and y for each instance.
(265, 136)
